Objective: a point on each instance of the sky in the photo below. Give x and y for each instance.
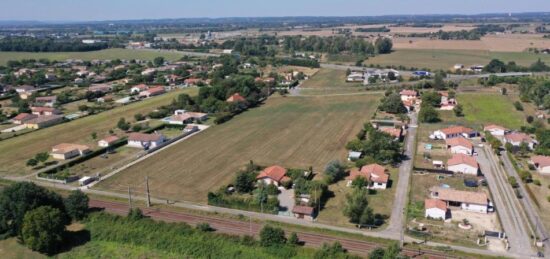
(96, 10)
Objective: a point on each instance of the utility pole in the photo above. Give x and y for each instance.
(129, 197)
(147, 191)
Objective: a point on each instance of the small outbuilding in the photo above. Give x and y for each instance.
(304, 212)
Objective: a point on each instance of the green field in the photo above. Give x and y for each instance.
(16, 151)
(294, 132)
(446, 59)
(486, 108)
(101, 54)
(329, 78)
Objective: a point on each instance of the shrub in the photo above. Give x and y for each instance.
(537, 182)
(513, 182)
(204, 227)
(334, 171)
(272, 236)
(293, 239)
(135, 214)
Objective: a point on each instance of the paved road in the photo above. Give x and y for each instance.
(237, 227)
(527, 203)
(397, 219)
(506, 204)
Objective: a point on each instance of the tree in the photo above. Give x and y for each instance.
(123, 125)
(139, 117)
(77, 205)
(330, 251)
(428, 114)
(529, 119)
(32, 162)
(94, 135)
(158, 61)
(383, 45)
(244, 182)
(43, 229)
(334, 171)
(42, 157)
(518, 106)
(19, 198)
(393, 104)
(458, 110)
(377, 253)
(357, 208)
(431, 98)
(272, 236)
(393, 252)
(136, 128)
(503, 91)
(293, 239)
(495, 66)
(439, 83)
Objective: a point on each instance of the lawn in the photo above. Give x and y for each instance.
(485, 108)
(16, 151)
(294, 132)
(446, 59)
(110, 54)
(328, 78)
(106, 163)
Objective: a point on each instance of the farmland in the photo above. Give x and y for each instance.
(295, 132)
(328, 78)
(102, 54)
(16, 151)
(486, 108)
(446, 59)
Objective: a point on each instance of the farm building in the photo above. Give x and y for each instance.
(273, 175)
(145, 141)
(374, 173)
(468, 201)
(65, 151)
(460, 145)
(435, 209)
(541, 163)
(463, 164)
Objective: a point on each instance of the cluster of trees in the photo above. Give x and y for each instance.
(373, 29)
(336, 45)
(474, 34)
(47, 45)
(376, 146)
(392, 104)
(536, 91)
(38, 216)
(428, 113)
(357, 206)
(497, 66)
(261, 46)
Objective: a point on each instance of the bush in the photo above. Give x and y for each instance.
(204, 227)
(537, 182)
(518, 106)
(513, 182)
(272, 236)
(139, 117)
(293, 239)
(43, 229)
(334, 171)
(135, 214)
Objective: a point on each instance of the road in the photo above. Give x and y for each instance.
(397, 219)
(238, 227)
(186, 53)
(506, 204)
(527, 203)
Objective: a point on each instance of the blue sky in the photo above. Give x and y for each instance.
(84, 10)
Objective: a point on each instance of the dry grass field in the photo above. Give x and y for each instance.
(293, 132)
(16, 151)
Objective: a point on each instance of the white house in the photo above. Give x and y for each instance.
(139, 88)
(108, 141)
(273, 175)
(374, 173)
(408, 95)
(435, 209)
(355, 77)
(541, 163)
(460, 145)
(354, 155)
(463, 164)
(516, 138)
(145, 141)
(465, 200)
(65, 151)
(455, 132)
(496, 130)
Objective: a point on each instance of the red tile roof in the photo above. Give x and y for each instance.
(275, 173)
(156, 90)
(456, 130)
(541, 161)
(110, 139)
(518, 137)
(493, 127)
(409, 92)
(144, 137)
(236, 97)
(392, 132)
(448, 194)
(458, 159)
(373, 172)
(435, 203)
(306, 210)
(23, 116)
(453, 142)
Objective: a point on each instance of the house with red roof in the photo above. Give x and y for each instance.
(496, 130)
(460, 145)
(236, 97)
(541, 163)
(463, 164)
(435, 209)
(138, 88)
(397, 133)
(108, 141)
(455, 132)
(158, 90)
(303, 212)
(273, 175)
(517, 138)
(44, 111)
(375, 174)
(21, 118)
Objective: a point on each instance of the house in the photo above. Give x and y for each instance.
(41, 111)
(354, 155)
(138, 88)
(22, 118)
(25, 91)
(191, 128)
(198, 116)
(435, 209)
(273, 175)
(145, 141)
(236, 97)
(303, 212)
(152, 92)
(48, 101)
(374, 173)
(100, 88)
(179, 119)
(464, 164)
(468, 201)
(192, 81)
(108, 141)
(66, 151)
(541, 163)
(267, 80)
(496, 130)
(458, 66)
(173, 79)
(148, 71)
(516, 138)
(355, 77)
(396, 133)
(460, 145)
(43, 121)
(408, 95)
(447, 103)
(390, 75)
(455, 132)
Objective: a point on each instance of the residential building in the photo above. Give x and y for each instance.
(447, 103)
(463, 164)
(541, 163)
(108, 141)
(460, 145)
(145, 141)
(44, 111)
(375, 174)
(496, 130)
(273, 175)
(354, 155)
(396, 133)
(102, 88)
(465, 200)
(138, 88)
(408, 95)
(355, 77)
(435, 209)
(22, 118)
(66, 151)
(303, 212)
(517, 138)
(48, 101)
(152, 92)
(43, 121)
(236, 97)
(455, 132)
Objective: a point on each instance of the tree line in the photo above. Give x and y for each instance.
(48, 45)
(337, 44)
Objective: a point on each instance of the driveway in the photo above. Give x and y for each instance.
(286, 202)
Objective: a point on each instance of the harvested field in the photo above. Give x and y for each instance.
(328, 78)
(295, 132)
(16, 151)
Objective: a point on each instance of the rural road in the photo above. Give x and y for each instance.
(506, 204)
(397, 219)
(186, 53)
